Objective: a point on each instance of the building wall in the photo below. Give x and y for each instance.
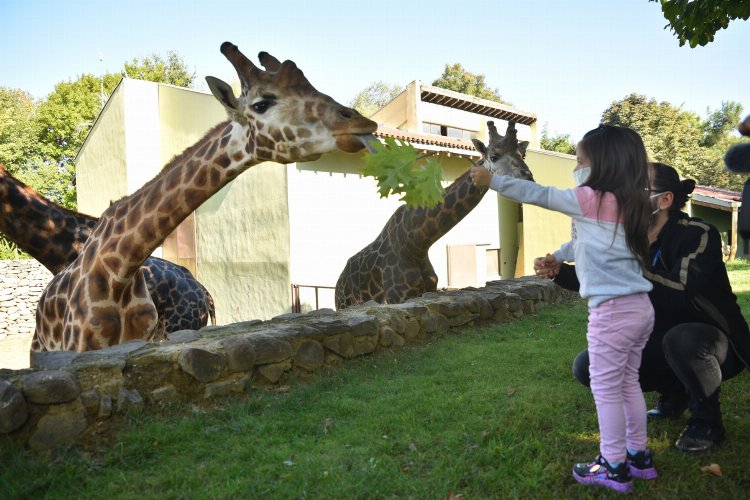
(544, 230)
(101, 174)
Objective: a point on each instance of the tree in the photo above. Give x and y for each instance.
(697, 22)
(456, 78)
(695, 147)
(155, 69)
(374, 97)
(560, 143)
(62, 121)
(17, 129)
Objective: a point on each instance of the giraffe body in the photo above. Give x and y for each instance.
(395, 266)
(101, 298)
(54, 236)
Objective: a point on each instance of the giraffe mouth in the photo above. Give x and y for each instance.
(352, 143)
(367, 140)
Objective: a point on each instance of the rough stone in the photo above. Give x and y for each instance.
(204, 365)
(274, 371)
(52, 360)
(164, 393)
(269, 349)
(105, 406)
(127, 400)
(310, 355)
(240, 354)
(59, 426)
(362, 325)
(13, 409)
(233, 385)
(340, 344)
(411, 328)
(50, 387)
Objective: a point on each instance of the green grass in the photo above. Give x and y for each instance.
(486, 413)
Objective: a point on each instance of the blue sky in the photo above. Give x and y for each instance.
(566, 61)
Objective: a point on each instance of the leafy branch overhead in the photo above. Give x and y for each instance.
(400, 169)
(696, 23)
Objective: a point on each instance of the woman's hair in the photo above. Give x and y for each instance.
(665, 178)
(619, 165)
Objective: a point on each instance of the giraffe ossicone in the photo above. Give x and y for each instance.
(101, 298)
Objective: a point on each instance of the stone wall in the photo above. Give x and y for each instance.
(65, 394)
(22, 283)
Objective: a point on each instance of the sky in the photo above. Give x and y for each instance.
(565, 61)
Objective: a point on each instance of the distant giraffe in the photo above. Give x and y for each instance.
(54, 236)
(396, 265)
(101, 298)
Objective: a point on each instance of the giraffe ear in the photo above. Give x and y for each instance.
(522, 146)
(223, 92)
(480, 146)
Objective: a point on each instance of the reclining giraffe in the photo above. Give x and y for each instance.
(101, 298)
(54, 236)
(396, 266)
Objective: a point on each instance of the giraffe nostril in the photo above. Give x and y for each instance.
(346, 114)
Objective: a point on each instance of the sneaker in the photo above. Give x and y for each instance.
(641, 465)
(700, 436)
(600, 473)
(671, 407)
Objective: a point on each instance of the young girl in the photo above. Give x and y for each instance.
(610, 210)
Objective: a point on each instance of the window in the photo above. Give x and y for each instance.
(446, 131)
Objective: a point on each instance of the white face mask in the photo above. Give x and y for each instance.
(651, 198)
(581, 175)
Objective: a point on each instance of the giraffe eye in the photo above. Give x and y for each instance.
(493, 158)
(260, 107)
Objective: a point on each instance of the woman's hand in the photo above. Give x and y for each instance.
(546, 267)
(480, 176)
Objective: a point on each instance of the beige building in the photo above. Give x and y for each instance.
(279, 231)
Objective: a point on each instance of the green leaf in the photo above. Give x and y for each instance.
(399, 169)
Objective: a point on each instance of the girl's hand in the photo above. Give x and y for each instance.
(546, 267)
(480, 176)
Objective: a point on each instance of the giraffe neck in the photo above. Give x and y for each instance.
(51, 234)
(131, 229)
(422, 227)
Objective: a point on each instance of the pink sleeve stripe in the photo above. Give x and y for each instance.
(588, 199)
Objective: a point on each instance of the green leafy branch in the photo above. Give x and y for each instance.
(400, 169)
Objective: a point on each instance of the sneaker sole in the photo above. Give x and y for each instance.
(612, 485)
(643, 473)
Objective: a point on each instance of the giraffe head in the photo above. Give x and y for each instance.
(504, 154)
(290, 120)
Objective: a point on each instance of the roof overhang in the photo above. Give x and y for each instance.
(471, 104)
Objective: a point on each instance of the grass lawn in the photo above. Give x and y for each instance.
(484, 413)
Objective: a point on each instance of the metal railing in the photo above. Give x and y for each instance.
(296, 305)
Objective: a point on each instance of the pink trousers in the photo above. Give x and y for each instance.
(618, 331)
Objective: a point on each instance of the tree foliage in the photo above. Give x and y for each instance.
(17, 128)
(695, 147)
(154, 68)
(40, 140)
(456, 78)
(560, 142)
(696, 22)
(374, 97)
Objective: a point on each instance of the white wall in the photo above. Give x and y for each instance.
(333, 215)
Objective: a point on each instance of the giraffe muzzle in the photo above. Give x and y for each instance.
(367, 140)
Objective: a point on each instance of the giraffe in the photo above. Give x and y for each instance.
(54, 235)
(396, 266)
(101, 299)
